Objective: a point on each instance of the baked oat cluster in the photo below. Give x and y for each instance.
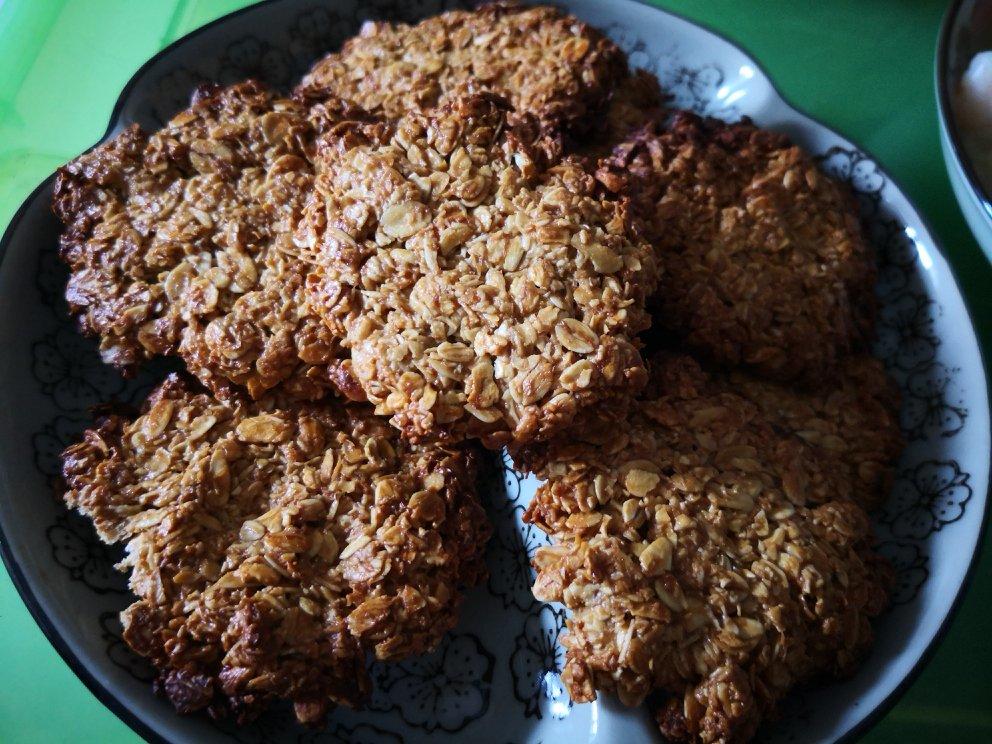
(542, 60)
(272, 545)
(457, 232)
(484, 286)
(764, 261)
(714, 547)
(180, 243)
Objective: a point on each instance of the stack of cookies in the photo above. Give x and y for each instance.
(481, 231)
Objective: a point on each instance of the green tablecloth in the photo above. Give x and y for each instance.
(864, 68)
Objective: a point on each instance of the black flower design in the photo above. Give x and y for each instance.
(363, 733)
(77, 549)
(445, 690)
(695, 89)
(512, 481)
(271, 727)
(50, 280)
(905, 329)
(251, 57)
(500, 485)
(50, 442)
(315, 32)
(860, 172)
(927, 409)
(509, 558)
(490, 483)
(536, 665)
(69, 369)
(906, 337)
(632, 45)
(173, 91)
(897, 255)
(911, 569)
(119, 652)
(926, 498)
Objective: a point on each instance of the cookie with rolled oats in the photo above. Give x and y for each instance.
(713, 554)
(764, 260)
(273, 543)
(484, 285)
(541, 59)
(180, 243)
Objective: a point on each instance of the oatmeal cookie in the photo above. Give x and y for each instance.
(705, 553)
(272, 543)
(180, 243)
(764, 260)
(484, 286)
(544, 61)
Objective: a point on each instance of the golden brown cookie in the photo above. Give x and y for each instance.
(711, 548)
(763, 259)
(273, 543)
(180, 243)
(484, 286)
(543, 61)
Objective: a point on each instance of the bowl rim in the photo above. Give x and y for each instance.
(143, 729)
(945, 110)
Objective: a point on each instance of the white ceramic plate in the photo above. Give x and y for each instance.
(495, 678)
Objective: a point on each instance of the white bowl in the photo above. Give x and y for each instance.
(959, 40)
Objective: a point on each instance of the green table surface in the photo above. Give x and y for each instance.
(864, 68)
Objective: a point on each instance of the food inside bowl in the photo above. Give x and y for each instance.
(973, 109)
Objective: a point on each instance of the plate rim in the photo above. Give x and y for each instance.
(24, 589)
(143, 729)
